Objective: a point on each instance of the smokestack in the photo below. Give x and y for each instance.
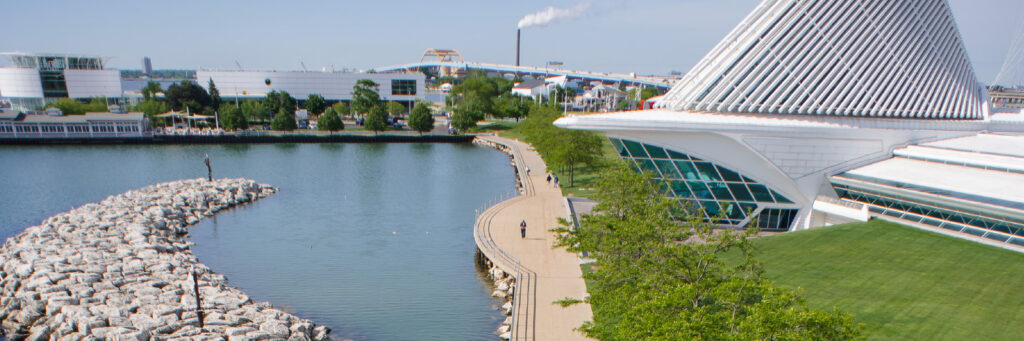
(518, 34)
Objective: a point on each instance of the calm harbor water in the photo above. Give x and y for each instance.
(373, 240)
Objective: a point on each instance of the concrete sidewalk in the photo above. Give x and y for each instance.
(543, 274)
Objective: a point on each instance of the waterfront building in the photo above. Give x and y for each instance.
(794, 118)
(35, 79)
(19, 125)
(333, 86)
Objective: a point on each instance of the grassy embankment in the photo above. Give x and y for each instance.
(584, 177)
(903, 283)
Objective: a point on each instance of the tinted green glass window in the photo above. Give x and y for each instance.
(681, 190)
(647, 165)
(667, 169)
(619, 148)
(720, 190)
(740, 192)
(728, 175)
(711, 208)
(707, 171)
(677, 155)
(760, 192)
(655, 152)
(634, 148)
(687, 170)
(700, 190)
(733, 211)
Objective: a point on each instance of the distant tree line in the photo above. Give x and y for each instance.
(160, 74)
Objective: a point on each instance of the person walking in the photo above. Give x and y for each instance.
(522, 229)
(549, 178)
(556, 181)
(527, 170)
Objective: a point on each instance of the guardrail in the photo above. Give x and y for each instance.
(524, 302)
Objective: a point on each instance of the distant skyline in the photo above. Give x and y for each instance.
(646, 37)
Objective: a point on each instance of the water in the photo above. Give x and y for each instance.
(373, 240)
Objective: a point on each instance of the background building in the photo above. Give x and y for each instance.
(35, 79)
(334, 86)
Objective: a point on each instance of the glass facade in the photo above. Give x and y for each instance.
(720, 194)
(403, 87)
(1004, 229)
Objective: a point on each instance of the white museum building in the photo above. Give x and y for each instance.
(817, 112)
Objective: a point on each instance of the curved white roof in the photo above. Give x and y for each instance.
(879, 58)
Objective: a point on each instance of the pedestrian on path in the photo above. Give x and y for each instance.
(522, 228)
(549, 178)
(556, 181)
(527, 170)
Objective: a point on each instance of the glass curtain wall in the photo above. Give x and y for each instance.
(720, 194)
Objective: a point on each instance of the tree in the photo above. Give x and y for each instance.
(252, 109)
(463, 121)
(151, 108)
(395, 108)
(376, 119)
(514, 106)
(649, 92)
(342, 109)
(315, 104)
(97, 104)
(215, 99)
(364, 96)
(178, 94)
(68, 106)
(288, 103)
(271, 104)
(149, 91)
(284, 121)
(664, 273)
(330, 121)
(420, 119)
(232, 118)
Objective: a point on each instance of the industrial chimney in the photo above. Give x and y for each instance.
(518, 34)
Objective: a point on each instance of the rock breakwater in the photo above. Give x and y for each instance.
(123, 269)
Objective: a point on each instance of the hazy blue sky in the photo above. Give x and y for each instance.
(652, 36)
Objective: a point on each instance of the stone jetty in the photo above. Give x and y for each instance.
(122, 269)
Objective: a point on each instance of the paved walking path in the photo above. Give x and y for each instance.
(543, 274)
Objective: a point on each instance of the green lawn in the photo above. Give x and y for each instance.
(903, 283)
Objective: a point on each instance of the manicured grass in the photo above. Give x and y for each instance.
(903, 283)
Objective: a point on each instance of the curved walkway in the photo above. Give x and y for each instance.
(543, 274)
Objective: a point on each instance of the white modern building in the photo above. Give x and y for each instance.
(34, 79)
(334, 86)
(794, 118)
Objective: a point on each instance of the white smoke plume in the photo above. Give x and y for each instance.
(551, 14)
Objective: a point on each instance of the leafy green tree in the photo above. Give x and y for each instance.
(151, 108)
(97, 104)
(185, 91)
(284, 121)
(342, 109)
(232, 118)
(271, 103)
(478, 93)
(649, 92)
(463, 121)
(420, 119)
(150, 90)
(662, 273)
(365, 96)
(376, 119)
(288, 103)
(215, 99)
(315, 104)
(252, 110)
(395, 108)
(513, 106)
(68, 106)
(330, 121)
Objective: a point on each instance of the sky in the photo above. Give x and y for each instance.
(642, 36)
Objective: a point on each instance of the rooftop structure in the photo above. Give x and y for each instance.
(840, 58)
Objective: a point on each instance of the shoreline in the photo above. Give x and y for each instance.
(122, 269)
(236, 139)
